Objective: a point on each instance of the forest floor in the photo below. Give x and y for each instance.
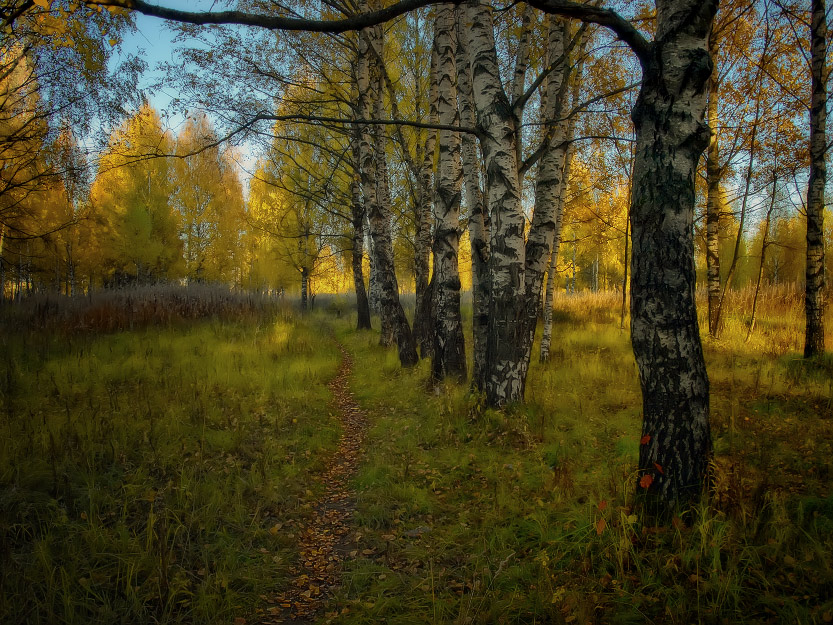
(324, 541)
(208, 468)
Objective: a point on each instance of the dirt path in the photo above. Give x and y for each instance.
(323, 541)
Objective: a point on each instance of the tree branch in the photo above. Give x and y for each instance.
(624, 29)
(270, 22)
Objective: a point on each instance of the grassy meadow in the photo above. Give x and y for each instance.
(155, 468)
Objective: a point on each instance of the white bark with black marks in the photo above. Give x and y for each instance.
(449, 354)
(671, 134)
(504, 352)
(478, 222)
(377, 216)
(549, 183)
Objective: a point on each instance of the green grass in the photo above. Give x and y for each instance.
(159, 475)
(141, 472)
(529, 513)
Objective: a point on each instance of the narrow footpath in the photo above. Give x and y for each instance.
(323, 541)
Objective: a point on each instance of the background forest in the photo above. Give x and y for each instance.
(594, 232)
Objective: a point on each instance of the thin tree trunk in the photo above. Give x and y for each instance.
(423, 202)
(504, 349)
(714, 196)
(549, 185)
(549, 292)
(382, 187)
(357, 215)
(670, 137)
(304, 288)
(449, 354)
(422, 312)
(718, 315)
(519, 75)
(764, 245)
(379, 221)
(814, 287)
(478, 217)
(546, 335)
(742, 222)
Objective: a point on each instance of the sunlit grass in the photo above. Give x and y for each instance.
(524, 516)
(161, 475)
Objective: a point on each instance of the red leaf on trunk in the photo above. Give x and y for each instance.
(659, 468)
(645, 439)
(646, 481)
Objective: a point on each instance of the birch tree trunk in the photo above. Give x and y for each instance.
(478, 216)
(449, 353)
(374, 288)
(548, 185)
(377, 216)
(357, 217)
(422, 312)
(713, 179)
(546, 333)
(386, 314)
(504, 352)
(670, 136)
(519, 78)
(814, 287)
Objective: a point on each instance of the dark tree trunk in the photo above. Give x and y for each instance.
(671, 136)
(713, 178)
(814, 289)
(304, 288)
(362, 305)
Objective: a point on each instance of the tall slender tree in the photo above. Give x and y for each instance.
(814, 304)
(449, 355)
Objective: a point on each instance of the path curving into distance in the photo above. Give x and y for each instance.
(323, 540)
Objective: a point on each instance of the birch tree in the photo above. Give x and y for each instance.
(377, 216)
(671, 133)
(814, 304)
(449, 355)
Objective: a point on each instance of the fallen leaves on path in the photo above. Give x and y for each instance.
(323, 541)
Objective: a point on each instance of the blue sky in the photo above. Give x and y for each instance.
(153, 41)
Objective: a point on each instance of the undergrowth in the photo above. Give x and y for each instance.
(526, 515)
(160, 474)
